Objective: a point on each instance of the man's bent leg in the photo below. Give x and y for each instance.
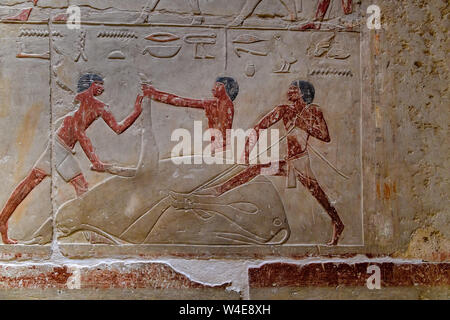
(80, 184)
(249, 174)
(313, 186)
(34, 178)
(347, 7)
(322, 9)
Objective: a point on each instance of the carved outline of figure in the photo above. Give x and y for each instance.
(195, 7)
(322, 8)
(302, 119)
(72, 130)
(250, 6)
(219, 110)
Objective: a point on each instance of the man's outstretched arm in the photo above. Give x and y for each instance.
(127, 122)
(168, 98)
(267, 121)
(88, 149)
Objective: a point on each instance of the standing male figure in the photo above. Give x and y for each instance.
(302, 120)
(219, 109)
(72, 130)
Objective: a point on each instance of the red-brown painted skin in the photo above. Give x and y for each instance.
(218, 110)
(80, 184)
(73, 130)
(309, 119)
(74, 127)
(322, 9)
(19, 194)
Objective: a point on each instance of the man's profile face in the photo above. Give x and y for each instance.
(294, 94)
(97, 88)
(218, 89)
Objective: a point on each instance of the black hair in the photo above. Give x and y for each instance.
(231, 86)
(86, 80)
(307, 89)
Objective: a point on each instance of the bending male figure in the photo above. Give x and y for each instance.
(219, 109)
(302, 120)
(251, 5)
(72, 130)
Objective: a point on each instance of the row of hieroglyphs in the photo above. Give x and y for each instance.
(167, 45)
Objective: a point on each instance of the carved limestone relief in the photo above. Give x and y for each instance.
(123, 96)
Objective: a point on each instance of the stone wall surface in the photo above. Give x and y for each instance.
(97, 205)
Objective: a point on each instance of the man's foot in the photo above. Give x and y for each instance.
(4, 232)
(338, 228)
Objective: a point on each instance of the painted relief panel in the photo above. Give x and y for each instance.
(145, 122)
